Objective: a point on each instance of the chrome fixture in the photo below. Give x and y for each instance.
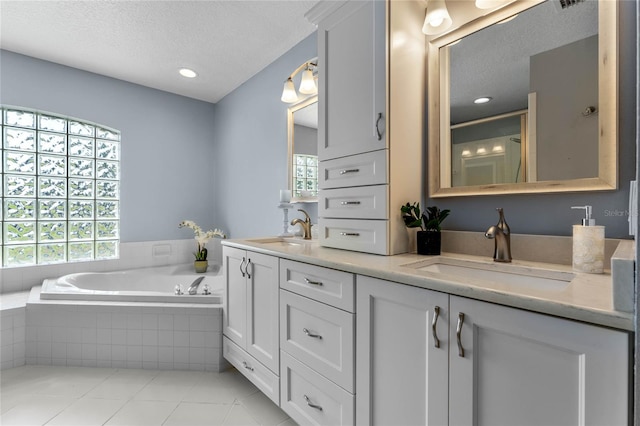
(501, 234)
(308, 82)
(193, 288)
(177, 290)
(305, 224)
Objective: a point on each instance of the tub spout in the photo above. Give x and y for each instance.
(193, 288)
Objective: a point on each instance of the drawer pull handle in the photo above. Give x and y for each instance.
(350, 234)
(317, 407)
(347, 171)
(247, 366)
(459, 334)
(350, 203)
(241, 265)
(246, 268)
(378, 132)
(310, 334)
(436, 314)
(308, 281)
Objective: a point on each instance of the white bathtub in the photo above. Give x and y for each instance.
(152, 285)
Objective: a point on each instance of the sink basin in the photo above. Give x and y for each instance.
(281, 242)
(496, 273)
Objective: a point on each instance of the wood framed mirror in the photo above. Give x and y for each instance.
(302, 153)
(552, 121)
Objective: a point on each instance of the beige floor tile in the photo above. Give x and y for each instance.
(142, 413)
(36, 411)
(123, 384)
(239, 416)
(195, 414)
(263, 409)
(87, 412)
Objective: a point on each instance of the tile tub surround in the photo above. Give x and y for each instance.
(124, 335)
(12, 330)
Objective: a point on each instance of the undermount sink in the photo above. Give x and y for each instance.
(281, 241)
(498, 273)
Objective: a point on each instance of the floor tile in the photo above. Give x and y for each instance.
(195, 414)
(35, 411)
(87, 412)
(263, 409)
(142, 413)
(122, 385)
(239, 416)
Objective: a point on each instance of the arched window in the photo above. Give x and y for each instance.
(60, 189)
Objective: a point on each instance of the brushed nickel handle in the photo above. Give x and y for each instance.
(350, 234)
(350, 203)
(310, 334)
(241, 265)
(308, 281)
(317, 407)
(459, 334)
(247, 366)
(347, 171)
(436, 314)
(246, 268)
(378, 126)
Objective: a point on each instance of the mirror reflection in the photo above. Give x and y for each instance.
(303, 150)
(521, 97)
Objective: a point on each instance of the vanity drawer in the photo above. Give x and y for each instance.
(356, 170)
(335, 288)
(363, 202)
(302, 389)
(252, 369)
(320, 336)
(369, 236)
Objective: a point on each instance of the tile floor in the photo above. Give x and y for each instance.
(46, 395)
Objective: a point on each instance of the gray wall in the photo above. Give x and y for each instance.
(551, 214)
(250, 133)
(167, 140)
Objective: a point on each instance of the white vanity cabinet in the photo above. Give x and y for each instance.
(317, 340)
(250, 320)
(492, 364)
(371, 62)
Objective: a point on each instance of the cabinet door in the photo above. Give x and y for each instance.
(235, 312)
(351, 56)
(262, 307)
(401, 374)
(523, 368)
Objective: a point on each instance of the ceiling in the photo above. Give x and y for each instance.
(146, 42)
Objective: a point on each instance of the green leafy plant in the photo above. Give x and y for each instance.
(431, 220)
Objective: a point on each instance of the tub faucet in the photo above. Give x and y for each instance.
(501, 234)
(305, 224)
(193, 288)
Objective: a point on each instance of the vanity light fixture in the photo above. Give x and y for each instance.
(482, 100)
(188, 73)
(437, 19)
(481, 151)
(308, 83)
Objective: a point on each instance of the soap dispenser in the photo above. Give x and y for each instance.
(588, 244)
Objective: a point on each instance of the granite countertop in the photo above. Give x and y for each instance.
(587, 297)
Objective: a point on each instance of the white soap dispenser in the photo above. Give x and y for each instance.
(588, 244)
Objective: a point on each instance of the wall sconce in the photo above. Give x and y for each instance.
(308, 85)
(437, 19)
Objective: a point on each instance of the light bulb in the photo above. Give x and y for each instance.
(437, 19)
(289, 94)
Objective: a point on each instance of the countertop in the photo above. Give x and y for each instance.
(587, 297)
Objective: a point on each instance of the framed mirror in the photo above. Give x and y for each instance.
(302, 157)
(549, 119)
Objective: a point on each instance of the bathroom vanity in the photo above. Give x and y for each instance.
(409, 339)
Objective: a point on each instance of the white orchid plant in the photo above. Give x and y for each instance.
(201, 237)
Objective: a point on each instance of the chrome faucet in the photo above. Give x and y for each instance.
(501, 234)
(193, 288)
(305, 224)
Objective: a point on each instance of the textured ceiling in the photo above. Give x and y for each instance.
(146, 42)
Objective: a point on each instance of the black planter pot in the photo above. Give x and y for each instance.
(429, 242)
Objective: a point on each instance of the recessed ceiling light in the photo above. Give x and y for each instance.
(482, 100)
(186, 72)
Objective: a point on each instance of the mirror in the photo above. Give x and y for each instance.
(550, 124)
(302, 155)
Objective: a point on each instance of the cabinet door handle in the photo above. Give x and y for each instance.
(241, 265)
(347, 171)
(310, 334)
(378, 126)
(436, 314)
(317, 407)
(246, 268)
(308, 281)
(350, 203)
(247, 366)
(350, 234)
(459, 334)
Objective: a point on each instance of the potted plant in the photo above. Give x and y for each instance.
(201, 264)
(429, 237)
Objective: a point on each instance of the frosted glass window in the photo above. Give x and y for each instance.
(60, 182)
(305, 176)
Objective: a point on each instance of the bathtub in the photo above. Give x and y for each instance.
(150, 285)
